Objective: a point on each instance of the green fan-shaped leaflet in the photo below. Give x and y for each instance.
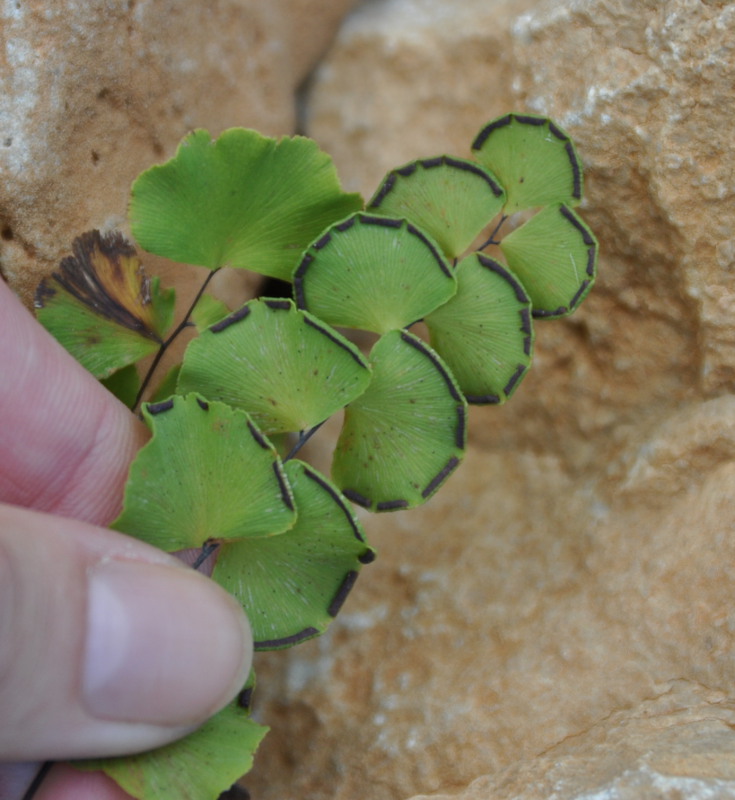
(484, 333)
(286, 368)
(101, 307)
(554, 255)
(198, 767)
(292, 586)
(449, 198)
(534, 159)
(405, 435)
(373, 272)
(243, 200)
(207, 474)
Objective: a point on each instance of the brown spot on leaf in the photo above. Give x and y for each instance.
(105, 274)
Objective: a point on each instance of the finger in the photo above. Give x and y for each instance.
(52, 781)
(107, 645)
(66, 783)
(66, 441)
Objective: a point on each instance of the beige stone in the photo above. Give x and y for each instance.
(520, 607)
(581, 562)
(677, 744)
(91, 93)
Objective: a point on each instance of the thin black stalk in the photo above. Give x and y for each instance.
(38, 780)
(207, 549)
(492, 239)
(302, 440)
(165, 345)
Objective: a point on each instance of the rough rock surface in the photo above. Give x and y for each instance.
(559, 618)
(93, 92)
(677, 744)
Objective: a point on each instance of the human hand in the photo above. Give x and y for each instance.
(107, 645)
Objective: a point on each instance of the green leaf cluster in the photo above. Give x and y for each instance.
(218, 482)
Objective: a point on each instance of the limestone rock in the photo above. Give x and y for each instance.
(517, 609)
(91, 93)
(579, 563)
(678, 744)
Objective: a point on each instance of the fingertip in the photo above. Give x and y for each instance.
(164, 646)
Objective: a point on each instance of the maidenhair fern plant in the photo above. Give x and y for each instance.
(219, 481)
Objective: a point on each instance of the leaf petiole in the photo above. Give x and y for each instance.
(492, 239)
(207, 549)
(304, 437)
(165, 345)
(38, 780)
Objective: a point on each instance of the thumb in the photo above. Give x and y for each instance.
(107, 645)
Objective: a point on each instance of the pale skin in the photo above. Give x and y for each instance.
(71, 590)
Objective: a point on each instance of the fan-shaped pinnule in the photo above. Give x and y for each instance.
(241, 200)
(484, 333)
(374, 273)
(406, 433)
(292, 586)
(554, 254)
(101, 306)
(286, 368)
(207, 474)
(534, 159)
(451, 199)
